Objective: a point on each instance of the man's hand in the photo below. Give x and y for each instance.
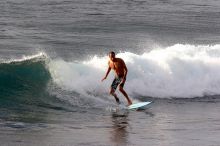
(109, 69)
(103, 79)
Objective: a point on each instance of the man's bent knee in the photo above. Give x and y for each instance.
(111, 92)
(121, 89)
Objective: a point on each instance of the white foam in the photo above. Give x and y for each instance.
(176, 71)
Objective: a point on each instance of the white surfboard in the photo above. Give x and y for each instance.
(139, 105)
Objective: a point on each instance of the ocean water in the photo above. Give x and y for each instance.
(53, 55)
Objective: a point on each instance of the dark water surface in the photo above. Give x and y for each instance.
(166, 123)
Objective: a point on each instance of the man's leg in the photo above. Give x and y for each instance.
(125, 94)
(112, 92)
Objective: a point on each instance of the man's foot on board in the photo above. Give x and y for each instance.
(129, 103)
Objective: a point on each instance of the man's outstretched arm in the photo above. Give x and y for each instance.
(109, 69)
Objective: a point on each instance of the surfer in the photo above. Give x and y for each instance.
(118, 65)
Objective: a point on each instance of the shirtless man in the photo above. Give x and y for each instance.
(118, 65)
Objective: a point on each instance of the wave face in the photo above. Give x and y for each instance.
(23, 81)
(179, 71)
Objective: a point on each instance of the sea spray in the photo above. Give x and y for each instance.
(176, 71)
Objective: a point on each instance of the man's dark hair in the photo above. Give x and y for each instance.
(113, 53)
